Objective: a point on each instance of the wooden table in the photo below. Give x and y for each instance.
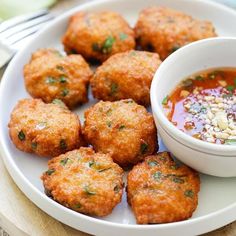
(20, 217)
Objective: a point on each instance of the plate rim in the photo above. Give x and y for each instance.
(53, 208)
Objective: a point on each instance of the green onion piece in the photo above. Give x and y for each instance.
(63, 145)
(62, 79)
(165, 100)
(21, 135)
(230, 88)
(114, 88)
(121, 127)
(152, 163)
(101, 170)
(109, 124)
(199, 78)
(123, 36)
(178, 180)
(116, 189)
(64, 161)
(189, 193)
(34, 145)
(157, 175)
(88, 191)
(107, 45)
(78, 205)
(143, 148)
(64, 92)
(59, 102)
(50, 171)
(230, 142)
(96, 47)
(50, 80)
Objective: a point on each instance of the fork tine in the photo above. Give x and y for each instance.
(23, 26)
(19, 36)
(20, 19)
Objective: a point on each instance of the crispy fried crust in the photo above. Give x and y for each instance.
(85, 181)
(45, 129)
(160, 191)
(123, 129)
(50, 76)
(126, 75)
(98, 35)
(164, 30)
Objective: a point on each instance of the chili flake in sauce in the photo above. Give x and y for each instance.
(204, 106)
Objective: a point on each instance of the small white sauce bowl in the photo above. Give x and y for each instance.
(213, 159)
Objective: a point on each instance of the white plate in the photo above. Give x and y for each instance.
(217, 198)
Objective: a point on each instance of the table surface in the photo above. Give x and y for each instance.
(19, 216)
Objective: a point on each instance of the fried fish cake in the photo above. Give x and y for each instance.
(123, 129)
(49, 76)
(85, 181)
(126, 75)
(44, 129)
(160, 191)
(98, 35)
(164, 30)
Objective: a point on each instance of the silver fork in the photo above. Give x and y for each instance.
(17, 30)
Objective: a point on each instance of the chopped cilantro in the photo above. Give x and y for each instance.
(50, 80)
(64, 92)
(63, 145)
(157, 175)
(152, 163)
(143, 148)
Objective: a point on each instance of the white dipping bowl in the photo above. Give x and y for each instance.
(208, 158)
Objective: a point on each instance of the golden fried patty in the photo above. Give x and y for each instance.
(44, 129)
(123, 129)
(126, 75)
(49, 76)
(160, 191)
(85, 181)
(98, 35)
(164, 30)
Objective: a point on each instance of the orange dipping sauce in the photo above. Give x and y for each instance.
(204, 106)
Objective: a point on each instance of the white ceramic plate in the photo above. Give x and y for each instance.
(217, 198)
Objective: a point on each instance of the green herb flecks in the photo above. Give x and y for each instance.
(174, 167)
(104, 169)
(109, 111)
(91, 163)
(62, 79)
(88, 191)
(199, 78)
(21, 135)
(95, 47)
(50, 171)
(34, 145)
(114, 88)
(230, 88)
(116, 189)
(189, 193)
(59, 102)
(165, 100)
(61, 68)
(121, 127)
(50, 80)
(157, 176)
(152, 163)
(230, 142)
(109, 123)
(78, 205)
(143, 148)
(107, 45)
(178, 180)
(123, 36)
(64, 161)
(64, 92)
(63, 145)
